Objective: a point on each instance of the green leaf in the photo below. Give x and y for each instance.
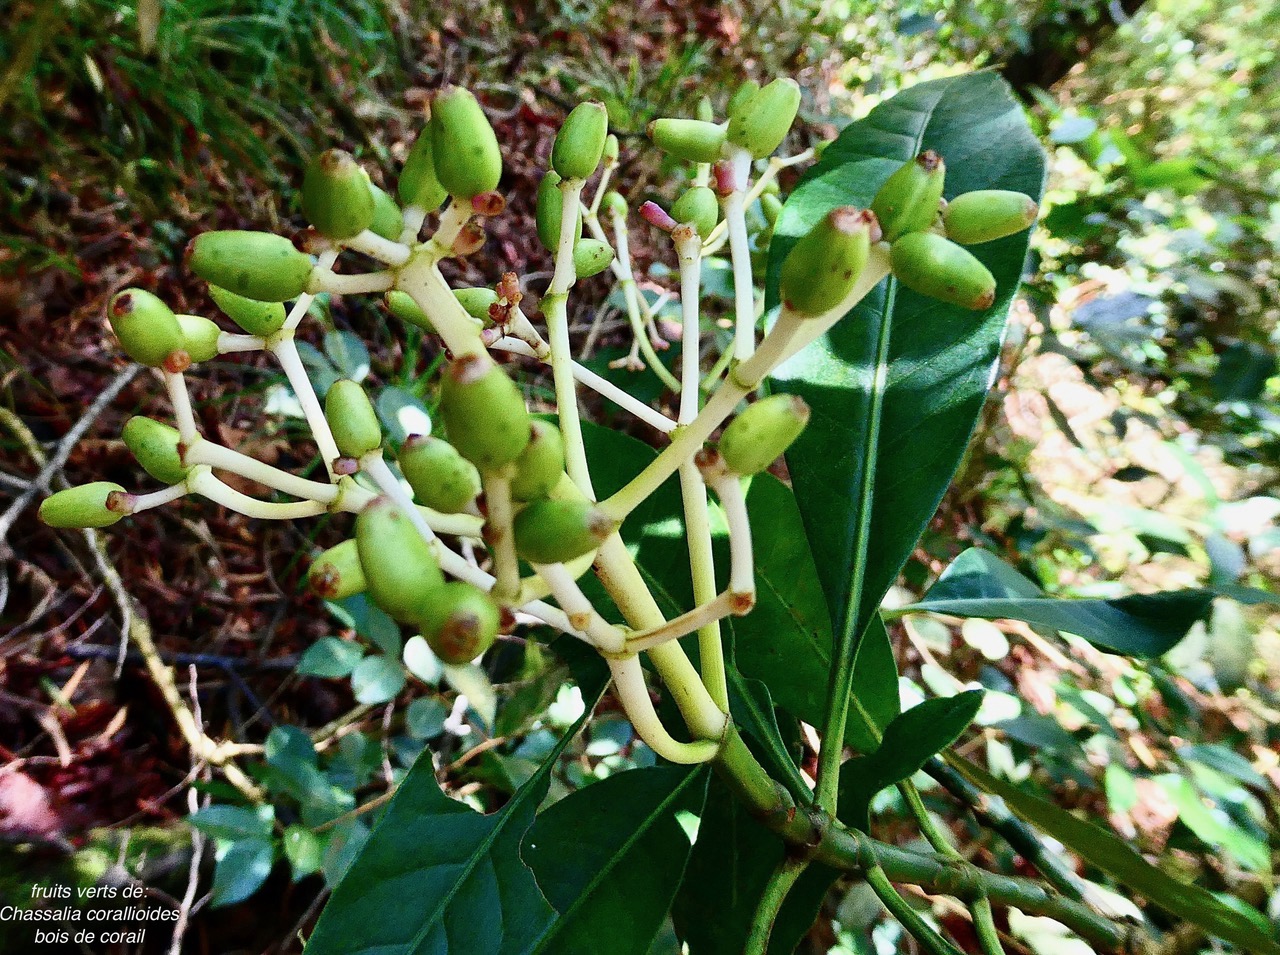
(360, 614)
(731, 862)
(896, 388)
(435, 872)
(425, 717)
(1119, 860)
(978, 584)
(753, 712)
(909, 742)
(241, 868)
(609, 859)
(377, 679)
(304, 850)
(348, 353)
(234, 822)
(330, 657)
(1213, 826)
(402, 413)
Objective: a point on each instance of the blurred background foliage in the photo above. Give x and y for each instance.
(1133, 440)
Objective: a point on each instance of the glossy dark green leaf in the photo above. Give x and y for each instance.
(752, 707)
(241, 867)
(330, 657)
(1118, 859)
(909, 742)
(731, 862)
(437, 876)
(785, 642)
(610, 857)
(896, 387)
(234, 822)
(979, 584)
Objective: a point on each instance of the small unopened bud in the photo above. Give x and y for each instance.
(591, 257)
(552, 532)
(336, 574)
(580, 142)
(464, 147)
(760, 125)
(823, 267)
(335, 195)
(418, 185)
(460, 622)
(199, 337)
(764, 430)
(351, 417)
(148, 331)
(932, 265)
(388, 220)
(908, 200)
(611, 150)
(699, 207)
(541, 463)
(706, 112)
(256, 318)
(257, 265)
(483, 412)
(615, 205)
(84, 506)
(400, 569)
(657, 216)
(402, 306)
(158, 448)
(476, 301)
(987, 215)
(689, 139)
(441, 478)
(488, 204)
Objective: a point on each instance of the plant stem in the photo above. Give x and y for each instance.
(229, 342)
(180, 398)
(375, 246)
(420, 278)
(631, 295)
(911, 920)
(744, 289)
(203, 451)
(775, 894)
(500, 535)
(628, 679)
(303, 302)
(201, 481)
(554, 309)
(286, 351)
(336, 283)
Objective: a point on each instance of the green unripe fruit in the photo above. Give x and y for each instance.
(483, 412)
(540, 465)
(689, 139)
(441, 478)
(698, 207)
(823, 267)
(257, 265)
(761, 124)
(403, 307)
(614, 204)
(610, 149)
(388, 221)
(157, 448)
(400, 569)
(256, 318)
(85, 506)
(770, 207)
(763, 431)
(591, 257)
(335, 195)
(909, 199)
(418, 184)
(464, 147)
(580, 142)
(987, 215)
(743, 95)
(476, 301)
(552, 532)
(550, 208)
(706, 112)
(460, 622)
(931, 265)
(351, 417)
(147, 329)
(336, 574)
(199, 337)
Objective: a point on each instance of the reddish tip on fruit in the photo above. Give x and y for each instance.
(488, 204)
(657, 216)
(177, 362)
(929, 160)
